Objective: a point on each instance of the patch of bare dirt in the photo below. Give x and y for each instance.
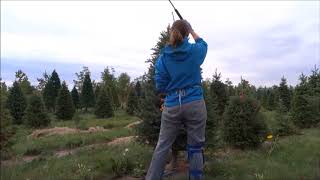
(121, 140)
(131, 125)
(62, 131)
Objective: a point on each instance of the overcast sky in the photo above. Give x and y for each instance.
(258, 40)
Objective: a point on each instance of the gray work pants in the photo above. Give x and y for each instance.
(193, 115)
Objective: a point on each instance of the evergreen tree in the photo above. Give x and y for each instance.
(43, 81)
(123, 89)
(270, 100)
(64, 107)
(75, 97)
(284, 124)
(109, 82)
(51, 91)
(314, 82)
(16, 103)
(81, 75)
(132, 102)
(97, 91)
(103, 107)
(284, 94)
(35, 115)
(212, 115)
(87, 96)
(305, 107)
(150, 103)
(218, 92)
(244, 125)
(302, 111)
(5, 117)
(229, 88)
(137, 89)
(24, 82)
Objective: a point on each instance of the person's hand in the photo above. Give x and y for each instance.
(188, 26)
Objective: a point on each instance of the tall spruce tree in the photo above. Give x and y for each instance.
(109, 82)
(16, 103)
(211, 101)
(97, 90)
(24, 82)
(5, 116)
(35, 114)
(80, 78)
(51, 90)
(284, 94)
(64, 107)
(314, 82)
(304, 111)
(132, 102)
(75, 97)
(103, 107)
(285, 125)
(150, 103)
(219, 93)
(87, 96)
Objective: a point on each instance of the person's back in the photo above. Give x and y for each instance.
(178, 76)
(178, 68)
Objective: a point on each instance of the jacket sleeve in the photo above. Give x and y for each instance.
(200, 50)
(162, 77)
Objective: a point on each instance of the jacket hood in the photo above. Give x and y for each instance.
(180, 52)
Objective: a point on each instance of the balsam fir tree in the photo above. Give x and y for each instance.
(87, 97)
(75, 97)
(16, 103)
(103, 107)
(150, 103)
(244, 125)
(35, 114)
(284, 94)
(64, 107)
(51, 90)
(219, 93)
(132, 102)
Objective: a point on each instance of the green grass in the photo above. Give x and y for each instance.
(87, 120)
(29, 146)
(295, 157)
(95, 164)
(20, 144)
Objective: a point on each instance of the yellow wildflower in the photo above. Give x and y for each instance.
(269, 136)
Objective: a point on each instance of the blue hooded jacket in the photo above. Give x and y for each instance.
(178, 73)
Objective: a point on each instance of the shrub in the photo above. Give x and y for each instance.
(244, 126)
(35, 114)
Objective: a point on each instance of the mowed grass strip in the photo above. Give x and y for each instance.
(295, 157)
(85, 164)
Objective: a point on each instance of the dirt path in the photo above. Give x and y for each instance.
(62, 131)
(66, 152)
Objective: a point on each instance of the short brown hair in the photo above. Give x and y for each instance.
(179, 31)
